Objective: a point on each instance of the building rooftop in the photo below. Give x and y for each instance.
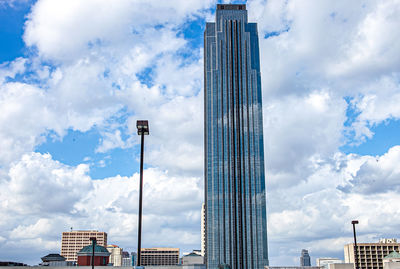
(231, 7)
(393, 254)
(97, 249)
(53, 257)
(192, 254)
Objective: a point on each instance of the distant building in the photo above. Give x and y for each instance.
(203, 229)
(55, 259)
(159, 256)
(305, 259)
(133, 258)
(101, 255)
(192, 258)
(324, 262)
(392, 260)
(73, 241)
(126, 259)
(341, 266)
(370, 255)
(292, 267)
(197, 251)
(8, 263)
(116, 255)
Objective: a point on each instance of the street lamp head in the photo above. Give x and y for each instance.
(354, 222)
(142, 127)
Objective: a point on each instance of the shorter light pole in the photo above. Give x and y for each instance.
(93, 239)
(142, 130)
(354, 222)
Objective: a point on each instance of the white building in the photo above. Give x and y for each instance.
(116, 255)
(324, 262)
(192, 258)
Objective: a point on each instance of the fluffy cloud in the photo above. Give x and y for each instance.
(319, 210)
(56, 197)
(38, 184)
(377, 174)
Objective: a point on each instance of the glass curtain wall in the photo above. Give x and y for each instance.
(236, 222)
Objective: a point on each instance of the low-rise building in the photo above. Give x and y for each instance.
(392, 261)
(324, 262)
(126, 259)
(159, 256)
(341, 266)
(192, 258)
(101, 255)
(116, 255)
(55, 259)
(293, 267)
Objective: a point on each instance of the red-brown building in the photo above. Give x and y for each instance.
(101, 256)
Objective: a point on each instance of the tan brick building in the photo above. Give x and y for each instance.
(73, 241)
(159, 256)
(370, 255)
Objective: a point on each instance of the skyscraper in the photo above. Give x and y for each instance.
(236, 222)
(305, 259)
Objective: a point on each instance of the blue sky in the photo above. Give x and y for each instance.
(75, 76)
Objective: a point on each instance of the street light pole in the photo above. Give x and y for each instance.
(354, 222)
(93, 239)
(143, 129)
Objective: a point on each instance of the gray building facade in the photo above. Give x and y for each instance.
(236, 222)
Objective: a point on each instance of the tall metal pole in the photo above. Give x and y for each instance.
(140, 199)
(354, 222)
(93, 243)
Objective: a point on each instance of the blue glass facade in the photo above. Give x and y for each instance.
(236, 222)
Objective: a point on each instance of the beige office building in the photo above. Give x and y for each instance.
(370, 255)
(159, 256)
(73, 241)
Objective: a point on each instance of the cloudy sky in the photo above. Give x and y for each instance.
(76, 75)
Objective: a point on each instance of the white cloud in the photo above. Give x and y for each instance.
(57, 197)
(377, 174)
(40, 185)
(299, 130)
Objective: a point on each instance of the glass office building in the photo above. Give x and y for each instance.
(236, 222)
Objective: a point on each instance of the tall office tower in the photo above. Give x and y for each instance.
(305, 259)
(203, 229)
(236, 222)
(370, 255)
(74, 241)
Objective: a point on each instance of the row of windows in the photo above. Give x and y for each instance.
(377, 247)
